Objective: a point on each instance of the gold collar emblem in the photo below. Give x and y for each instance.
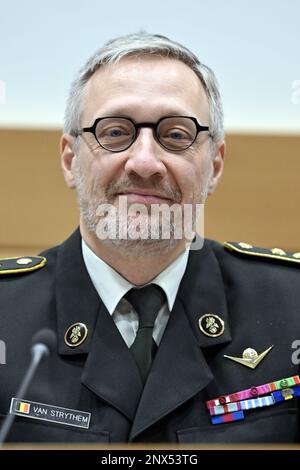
(76, 334)
(211, 325)
(250, 357)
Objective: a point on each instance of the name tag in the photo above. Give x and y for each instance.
(55, 414)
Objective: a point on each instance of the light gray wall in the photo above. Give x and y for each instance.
(253, 46)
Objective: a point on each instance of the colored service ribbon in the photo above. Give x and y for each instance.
(228, 418)
(243, 405)
(286, 394)
(254, 392)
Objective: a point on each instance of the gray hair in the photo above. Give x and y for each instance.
(140, 44)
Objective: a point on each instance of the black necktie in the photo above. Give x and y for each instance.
(147, 302)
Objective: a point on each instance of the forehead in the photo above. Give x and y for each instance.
(145, 88)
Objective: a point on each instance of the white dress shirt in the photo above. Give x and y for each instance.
(112, 287)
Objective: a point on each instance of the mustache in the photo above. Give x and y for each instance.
(168, 191)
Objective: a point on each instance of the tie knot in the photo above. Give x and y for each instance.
(146, 301)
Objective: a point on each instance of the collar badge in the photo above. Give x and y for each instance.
(211, 325)
(76, 334)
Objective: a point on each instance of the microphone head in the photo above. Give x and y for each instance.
(47, 338)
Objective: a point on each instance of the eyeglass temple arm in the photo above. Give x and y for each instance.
(81, 131)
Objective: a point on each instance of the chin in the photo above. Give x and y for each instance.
(142, 247)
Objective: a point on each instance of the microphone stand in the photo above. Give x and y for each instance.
(38, 352)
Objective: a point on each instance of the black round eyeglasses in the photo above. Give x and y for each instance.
(118, 133)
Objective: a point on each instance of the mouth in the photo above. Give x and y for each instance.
(143, 196)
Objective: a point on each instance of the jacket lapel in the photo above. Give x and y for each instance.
(109, 371)
(76, 297)
(180, 370)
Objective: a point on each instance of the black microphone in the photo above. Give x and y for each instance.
(43, 345)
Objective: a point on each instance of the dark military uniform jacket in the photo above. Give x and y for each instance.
(257, 296)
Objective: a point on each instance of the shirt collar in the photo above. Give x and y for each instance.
(111, 286)
(170, 278)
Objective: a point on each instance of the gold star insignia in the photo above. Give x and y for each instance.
(250, 357)
(278, 251)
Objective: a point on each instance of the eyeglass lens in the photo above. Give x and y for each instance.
(174, 133)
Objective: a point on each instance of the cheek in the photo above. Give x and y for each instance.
(184, 176)
(190, 174)
(99, 171)
(203, 164)
(193, 175)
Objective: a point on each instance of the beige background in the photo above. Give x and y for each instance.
(257, 200)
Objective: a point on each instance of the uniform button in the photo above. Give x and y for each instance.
(222, 400)
(254, 391)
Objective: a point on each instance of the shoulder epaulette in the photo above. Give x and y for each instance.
(273, 253)
(22, 264)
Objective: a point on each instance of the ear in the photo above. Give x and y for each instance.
(218, 166)
(67, 154)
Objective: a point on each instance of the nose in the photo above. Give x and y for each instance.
(144, 156)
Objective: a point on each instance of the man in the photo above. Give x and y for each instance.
(158, 342)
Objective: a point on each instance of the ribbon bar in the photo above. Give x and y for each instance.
(243, 405)
(228, 418)
(254, 392)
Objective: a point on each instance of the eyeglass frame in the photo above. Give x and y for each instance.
(138, 126)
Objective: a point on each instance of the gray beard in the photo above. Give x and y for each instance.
(144, 245)
(129, 246)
